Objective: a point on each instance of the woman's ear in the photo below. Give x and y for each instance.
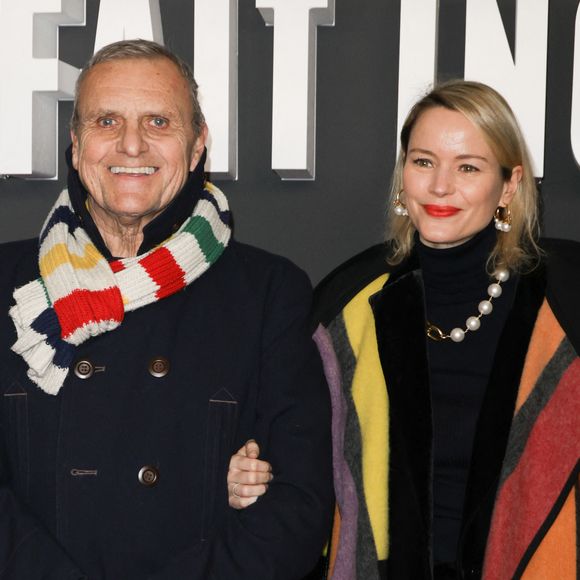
(511, 186)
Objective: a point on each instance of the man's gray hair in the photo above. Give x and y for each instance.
(139, 49)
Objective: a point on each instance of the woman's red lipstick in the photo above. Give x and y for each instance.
(441, 210)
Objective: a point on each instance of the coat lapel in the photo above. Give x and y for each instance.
(400, 324)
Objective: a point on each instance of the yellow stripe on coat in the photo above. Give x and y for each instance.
(369, 393)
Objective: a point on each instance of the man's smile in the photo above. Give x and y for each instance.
(144, 170)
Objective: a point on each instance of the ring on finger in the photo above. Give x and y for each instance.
(235, 490)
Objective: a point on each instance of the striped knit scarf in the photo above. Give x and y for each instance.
(79, 294)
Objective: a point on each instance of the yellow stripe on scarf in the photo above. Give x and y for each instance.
(369, 393)
(59, 255)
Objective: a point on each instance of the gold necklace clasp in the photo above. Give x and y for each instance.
(434, 332)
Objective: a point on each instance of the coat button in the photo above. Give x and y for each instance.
(159, 367)
(84, 369)
(148, 476)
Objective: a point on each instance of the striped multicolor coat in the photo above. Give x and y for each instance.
(523, 493)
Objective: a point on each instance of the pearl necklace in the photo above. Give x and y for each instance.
(473, 322)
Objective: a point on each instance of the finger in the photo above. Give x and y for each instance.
(241, 503)
(241, 452)
(247, 464)
(252, 449)
(245, 491)
(249, 477)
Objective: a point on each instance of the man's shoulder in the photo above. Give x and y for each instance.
(261, 266)
(337, 289)
(19, 256)
(19, 246)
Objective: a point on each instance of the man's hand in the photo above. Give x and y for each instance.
(248, 476)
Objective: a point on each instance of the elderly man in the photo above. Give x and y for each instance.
(142, 347)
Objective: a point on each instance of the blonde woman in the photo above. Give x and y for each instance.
(458, 343)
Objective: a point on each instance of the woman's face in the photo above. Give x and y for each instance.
(452, 181)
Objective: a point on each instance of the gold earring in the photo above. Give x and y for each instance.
(503, 219)
(399, 207)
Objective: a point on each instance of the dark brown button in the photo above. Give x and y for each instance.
(84, 369)
(159, 366)
(148, 476)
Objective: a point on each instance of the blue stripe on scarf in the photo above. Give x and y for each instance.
(224, 215)
(47, 323)
(64, 354)
(61, 214)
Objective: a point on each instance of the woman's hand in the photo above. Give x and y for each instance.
(248, 476)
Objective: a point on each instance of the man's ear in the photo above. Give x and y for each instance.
(511, 186)
(75, 148)
(198, 147)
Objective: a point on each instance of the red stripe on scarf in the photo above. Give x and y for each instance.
(530, 492)
(82, 307)
(164, 271)
(116, 266)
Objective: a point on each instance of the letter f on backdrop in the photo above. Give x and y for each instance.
(33, 80)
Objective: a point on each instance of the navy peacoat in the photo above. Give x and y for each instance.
(122, 475)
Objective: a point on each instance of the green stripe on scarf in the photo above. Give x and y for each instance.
(202, 231)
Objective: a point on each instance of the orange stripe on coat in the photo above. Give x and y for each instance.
(528, 495)
(546, 339)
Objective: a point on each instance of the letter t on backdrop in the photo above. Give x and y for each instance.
(294, 84)
(34, 79)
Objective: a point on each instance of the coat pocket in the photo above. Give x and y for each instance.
(221, 427)
(15, 423)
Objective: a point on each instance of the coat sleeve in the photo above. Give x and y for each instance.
(283, 534)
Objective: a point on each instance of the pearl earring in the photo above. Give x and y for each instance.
(503, 219)
(399, 206)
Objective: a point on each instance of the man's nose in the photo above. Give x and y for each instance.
(132, 140)
(442, 182)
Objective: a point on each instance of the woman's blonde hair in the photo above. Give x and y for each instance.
(517, 249)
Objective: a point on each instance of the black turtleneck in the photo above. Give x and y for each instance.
(158, 229)
(456, 281)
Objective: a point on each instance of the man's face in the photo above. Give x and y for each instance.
(135, 143)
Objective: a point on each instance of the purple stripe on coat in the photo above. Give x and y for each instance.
(344, 488)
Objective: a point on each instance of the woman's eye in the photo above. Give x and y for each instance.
(468, 168)
(421, 162)
(159, 122)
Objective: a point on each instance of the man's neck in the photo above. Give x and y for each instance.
(122, 236)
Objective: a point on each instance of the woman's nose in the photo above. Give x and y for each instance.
(442, 182)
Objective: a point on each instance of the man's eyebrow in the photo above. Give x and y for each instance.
(95, 114)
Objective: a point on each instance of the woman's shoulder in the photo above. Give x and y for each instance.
(347, 280)
(559, 250)
(562, 259)
(562, 262)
